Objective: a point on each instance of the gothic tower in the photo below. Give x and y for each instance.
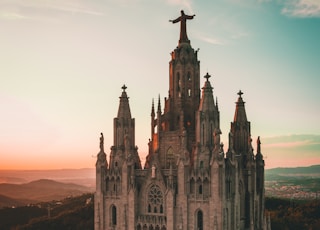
(180, 106)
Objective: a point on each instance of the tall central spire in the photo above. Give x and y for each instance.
(183, 26)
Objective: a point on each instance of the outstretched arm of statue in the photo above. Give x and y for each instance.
(190, 16)
(175, 20)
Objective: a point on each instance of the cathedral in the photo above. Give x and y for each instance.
(188, 181)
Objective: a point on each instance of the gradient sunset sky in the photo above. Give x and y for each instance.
(62, 65)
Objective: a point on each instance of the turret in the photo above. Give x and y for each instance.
(207, 126)
(240, 128)
(124, 133)
(207, 117)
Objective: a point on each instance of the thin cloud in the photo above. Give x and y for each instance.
(240, 35)
(213, 41)
(73, 8)
(302, 8)
(292, 141)
(7, 15)
(13, 10)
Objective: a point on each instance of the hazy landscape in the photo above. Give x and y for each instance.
(58, 199)
(23, 187)
(293, 183)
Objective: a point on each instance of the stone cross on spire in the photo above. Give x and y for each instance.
(207, 76)
(124, 87)
(183, 26)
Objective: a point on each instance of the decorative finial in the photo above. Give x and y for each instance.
(240, 93)
(207, 76)
(124, 87)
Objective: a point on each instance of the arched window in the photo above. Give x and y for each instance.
(205, 188)
(189, 76)
(199, 222)
(107, 184)
(200, 189)
(192, 184)
(113, 215)
(169, 158)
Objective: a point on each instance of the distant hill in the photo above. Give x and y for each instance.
(40, 190)
(85, 176)
(314, 169)
(293, 183)
(9, 202)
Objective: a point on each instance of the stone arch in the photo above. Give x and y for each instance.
(206, 187)
(170, 157)
(198, 219)
(199, 187)
(189, 76)
(118, 185)
(192, 186)
(107, 184)
(113, 215)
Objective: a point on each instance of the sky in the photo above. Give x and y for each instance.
(63, 63)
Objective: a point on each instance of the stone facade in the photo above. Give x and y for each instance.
(188, 181)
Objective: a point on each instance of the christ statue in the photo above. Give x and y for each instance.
(183, 25)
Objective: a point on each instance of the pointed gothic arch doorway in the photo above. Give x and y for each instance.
(199, 220)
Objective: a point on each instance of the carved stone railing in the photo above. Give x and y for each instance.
(152, 219)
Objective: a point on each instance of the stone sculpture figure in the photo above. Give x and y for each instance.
(102, 142)
(183, 25)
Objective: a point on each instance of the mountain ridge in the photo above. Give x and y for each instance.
(39, 191)
(313, 169)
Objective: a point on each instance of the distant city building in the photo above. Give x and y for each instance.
(188, 182)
